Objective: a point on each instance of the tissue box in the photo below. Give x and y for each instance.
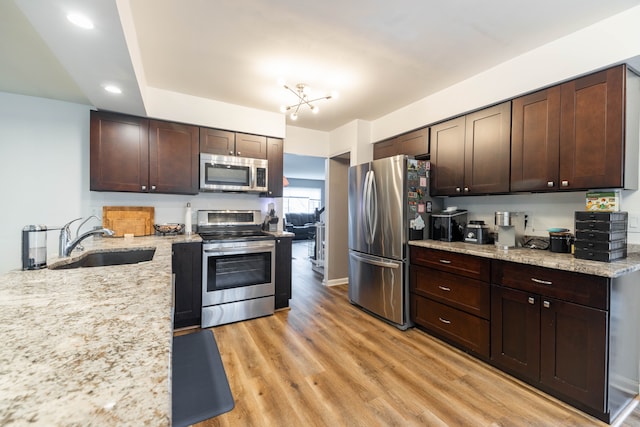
(603, 201)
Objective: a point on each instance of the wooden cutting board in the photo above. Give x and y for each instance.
(136, 220)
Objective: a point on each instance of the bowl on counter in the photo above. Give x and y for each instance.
(169, 228)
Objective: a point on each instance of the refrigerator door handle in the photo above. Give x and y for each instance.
(379, 263)
(365, 207)
(373, 210)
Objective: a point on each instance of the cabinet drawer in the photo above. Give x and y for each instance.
(468, 331)
(470, 295)
(564, 285)
(452, 262)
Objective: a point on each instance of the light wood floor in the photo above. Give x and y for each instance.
(324, 362)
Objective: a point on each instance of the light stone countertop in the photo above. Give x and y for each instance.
(89, 346)
(542, 258)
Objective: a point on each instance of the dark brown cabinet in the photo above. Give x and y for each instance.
(535, 139)
(216, 141)
(141, 155)
(186, 265)
(450, 297)
(414, 143)
(571, 136)
(283, 272)
(275, 156)
(592, 131)
(550, 328)
(471, 154)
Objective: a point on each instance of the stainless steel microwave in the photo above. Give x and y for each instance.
(229, 173)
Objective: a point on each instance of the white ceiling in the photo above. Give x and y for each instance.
(378, 55)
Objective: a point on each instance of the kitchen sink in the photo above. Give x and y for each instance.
(104, 258)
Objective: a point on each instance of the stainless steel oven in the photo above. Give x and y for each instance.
(238, 267)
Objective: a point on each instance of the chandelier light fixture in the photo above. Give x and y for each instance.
(301, 91)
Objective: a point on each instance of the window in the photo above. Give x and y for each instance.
(301, 199)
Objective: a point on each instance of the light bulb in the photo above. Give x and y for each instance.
(335, 95)
(283, 108)
(294, 116)
(314, 109)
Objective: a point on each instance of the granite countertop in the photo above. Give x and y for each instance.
(89, 346)
(542, 258)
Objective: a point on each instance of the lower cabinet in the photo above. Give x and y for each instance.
(450, 297)
(551, 327)
(186, 265)
(572, 335)
(283, 272)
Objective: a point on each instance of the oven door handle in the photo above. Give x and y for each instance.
(231, 251)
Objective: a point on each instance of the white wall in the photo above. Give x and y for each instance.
(307, 142)
(43, 145)
(607, 42)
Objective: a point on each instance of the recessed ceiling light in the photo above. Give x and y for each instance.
(80, 20)
(112, 89)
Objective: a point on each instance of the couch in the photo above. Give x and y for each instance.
(301, 224)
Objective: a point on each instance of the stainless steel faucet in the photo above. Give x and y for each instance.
(66, 245)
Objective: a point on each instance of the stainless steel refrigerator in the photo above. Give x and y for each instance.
(386, 198)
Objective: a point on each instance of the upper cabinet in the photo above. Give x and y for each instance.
(414, 143)
(140, 155)
(275, 156)
(572, 136)
(471, 154)
(215, 141)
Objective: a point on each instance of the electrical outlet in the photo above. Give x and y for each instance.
(634, 223)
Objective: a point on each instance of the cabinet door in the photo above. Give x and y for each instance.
(275, 153)
(173, 158)
(283, 272)
(487, 150)
(574, 351)
(187, 267)
(253, 146)
(447, 160)
(591, 131)
(515, 331)
(119, 152)
(215, 141)
(414, 143)
(386, 148)
(535, 137)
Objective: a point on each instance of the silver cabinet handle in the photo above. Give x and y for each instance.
(444, 288)
(153, 187)
(542, 282)
(466, 189)
(546, 304)
(565, 183)
(458, 189)
(445, 321)
(549, 184)
(230, 153)
(532, 300)
(144, 187)
(239, 153)
(445, 261)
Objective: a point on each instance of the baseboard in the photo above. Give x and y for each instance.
(336, 282)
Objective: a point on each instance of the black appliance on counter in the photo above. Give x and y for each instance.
(477, 232)
(448, 226)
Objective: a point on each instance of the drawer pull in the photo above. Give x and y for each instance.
(444, 288)
(542, 282)
(445, 261)
(444, 320)
(532, 300)
(546, 304)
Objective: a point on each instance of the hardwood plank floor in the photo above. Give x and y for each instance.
(325, 362)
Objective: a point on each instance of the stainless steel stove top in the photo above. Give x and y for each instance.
(231, 225)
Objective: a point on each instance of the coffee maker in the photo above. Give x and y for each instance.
(34, 247)
(509, 232)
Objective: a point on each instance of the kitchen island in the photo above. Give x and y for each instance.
(89, 346)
